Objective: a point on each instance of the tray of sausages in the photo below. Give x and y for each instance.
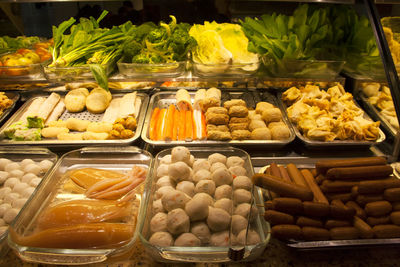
(333, 203)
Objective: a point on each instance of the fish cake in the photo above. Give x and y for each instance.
(238, 111)
(254, 124)
(261, 134)
(239, 120)
(209, 102)
(241, 134)
(219, 135)
(261, 106)
(212, 127)
(238, 126)
(217, 119)
(234, 102)
(217, 110)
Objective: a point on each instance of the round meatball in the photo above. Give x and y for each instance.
(201, 230)
(197, 208)
(253, 238)
(174, 199)
(244, 210)
(242, 182)
(216, 166)
(187, 240)
(201, 175)
(201, 164)
(216, 157)
(163, 190)
(234, 161)
(186, 187)
(180, 153)
(225, 204)
(179, 171)
(205, 197)
(178, 222)
(162, 239)
(220, 239)
(222, 176)
(158, 206)
(237, 171)
(280, 133)
(223, 191)
(238, 223)
(162, 170)
(218, 219)
(164, 181)
(205, 186)
(241, 196)
(166, 160)
(159, 222)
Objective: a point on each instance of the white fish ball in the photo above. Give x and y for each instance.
(217, 157)
(225, 204)
(27, 192)
(218, 219)
(10, 215)
(162, 170)
(28, 177)
(17, 174)
(12, 166)
(174, 199)
(220, 239)
(216, 166)
(162, 239)
(33, 168)
(222, 176)
(201, 230)
(25, 163)
(186, 187)
(11, 197)
(35, 182)
(205, 186)
(157, 206)
(241, 196)
(11, 182)
(180, 153)
(45, 165)
(3, 208)
(201, 175)
(187, 240)
(162, 191)
(3, 229)
(4, 191)
(234, 161)
(3, 163)
(223, 191)
(179, 171)
(2, 222)
(159, 222)
(19, 203)
(19, 188)
(191, 161)
(166, 160)
(242, 182)
(3, 176)
(201, 164)
(178, 222)
(238, 223)
(252, 238)
(238, 171)
(164, 181)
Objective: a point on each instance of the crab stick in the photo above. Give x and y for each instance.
(197, 129)
(169, 123)
(182, 125)
(154, 123)
(175, 128)
(189, 125)
(203, 126)
(161, 124)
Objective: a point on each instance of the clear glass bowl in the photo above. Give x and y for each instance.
(228, 69)
(135, 70)
(72, 74)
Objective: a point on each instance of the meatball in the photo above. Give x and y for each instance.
(220, 239)
(197, 208)
(242, 182)
(218, 219)
(237, 171)
(205, 186)
(187, 240)
(159, 222)
(157, 206)
(216, 166)
(241, 196)
(179, 171)
(186, 187)
(201, 164)
(163, 190)
(164, 181)
(162, 170)
(225, 204)
(180, 153)
(253, 238)
(216, 157)
(201, 175)
(234, 161)
(178, 222)
(223, 191)
(174, 199)
(222, 176)
(201, 230)
(238, 224)
(244, 210)
(206, 197)
(162, 239)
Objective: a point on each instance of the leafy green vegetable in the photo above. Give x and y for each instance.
(8, 44)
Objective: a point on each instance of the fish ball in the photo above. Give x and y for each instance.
(223, 191)
(162, 170)
(205, 186)
(234, 161)
(201, 175)
(157, 206)
(252, 238)
(4, 207)
(237, 171)
(162, 239)
(179, 171)
(201, 164)
(166, 160)
(187, 240)
(216, 157)
(241, 196)
(11, 182)
(3, 163)
(220, 239)
(19, 203)
(164, 181)
(216, 166)
(3, 229)
(27, 192)
(33, 168)
(242, 182)
(45, 165)
(201, 230)
(16, 173)
(10, 215)
(178, 222)
(3, 176)
(222, 176)
(244, 210)
(11, 197)
(186, 187)
(35, 182)
(174, 199)
(159, 222)
(12, 166)
(25, 163)
(238, 223)
(218, 219)
(197, 209)
(2, 222)
(20, 187)
(28, 177)
(180, 153)
(225, 204)
(163, 190)
(204, 197)
(4, 191)
(191, 161)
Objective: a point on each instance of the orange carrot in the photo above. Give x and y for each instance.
(203, 126)
(169, 123)
(161, 124)
(189, 124)
(181, 125)
(153, 123)
(176, 125)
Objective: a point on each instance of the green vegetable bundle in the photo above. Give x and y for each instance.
(8, 44)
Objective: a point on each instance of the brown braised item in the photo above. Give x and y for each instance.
(323, 166)
(363, 228)
(344, 233)
(315, 233)
(307, 221)
(386, 231)
(287, 231)
(378, 208)
(275, 217)
(363, 172)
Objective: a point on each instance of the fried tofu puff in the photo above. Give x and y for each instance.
(261, 134)
(238, 111)
(238, 126)
(221, 128)
(217, 110)
(207, 103)
(255, 124)
(241, 135)
(261, 106)
(280, 132)
(271, 115)
(239, 120)
(219, 135)
(234, 102)
(217, 119)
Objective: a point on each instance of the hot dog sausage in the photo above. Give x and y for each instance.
(362, 200)
(363, 228)
(378, 208)
(359, 211)
(378, 220)
(318, 195)
(329, 186)
(286, 231)
(296, 175)
(344, 233)
(341, 196)
(275, 170)
(329, 224)
(315, 209)
(288, 205)
(307, 221)
(395, 217)
(386, 231)
(315, 233)
(275, 217)
(392, 194)
(284, 174)
(324, 165)
(364, 172)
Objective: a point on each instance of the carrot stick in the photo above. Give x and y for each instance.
(181, 125)
(203, 126)
(189, 124)
(153, 123)
(161, 124)
(169, 123)
(176, 125)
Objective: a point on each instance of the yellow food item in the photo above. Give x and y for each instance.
(94, 136)
(70, 136)
(75, 100)
(52, 132)
(5, 102)
(87, 177)
(99, 127)
(98, 100)
(59, 123)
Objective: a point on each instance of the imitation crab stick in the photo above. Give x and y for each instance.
(203, 126)
(182, 125)
(189, 125)
(169, 123)
(175, 127)
(161, 124)
(153, 123)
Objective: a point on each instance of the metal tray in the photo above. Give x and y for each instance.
(18, 154)
(164, 99)
(335, 143)
(81, 115)
(304, 162)
(14, 97)
(109, 158)
(206, 253)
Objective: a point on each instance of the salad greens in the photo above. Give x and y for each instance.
(8, 44)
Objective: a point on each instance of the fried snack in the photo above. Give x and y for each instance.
(261, 106)
(280, 132)
(219, 135)
(240, 134)
(255, 124)
(209, 102)
(276, 123)
(273, 114)
(234, 102)
(239, 120)
(261, 134)
(5, 102)
(238, 126)
(217, 119)
(52, 132)
(216, 110)
(238, 111)
(221, 128)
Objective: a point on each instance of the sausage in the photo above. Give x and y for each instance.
(362, 200)
(313, 172)
(341, 211)
(286, 231)
(285, 189)
(364, 172)
(363, 228)
(315, 209)
(275, 217)
(329, 224)
(344, 233)
(378, 220)
(288, 205)
(360, 212)
(395, 217)
(371, 187)
(268, 171)
(315, 233)
(318, 195)
(284, 174)
(273, 195)
(329, 186)
(341, 196)
(320, 178)
(392, 194)
(396, 206)
(268, 205)
(275, 170)
(296, 175)
(324, 165)
(386, 231)
(354, 192)
(378, 208)
(307, 221)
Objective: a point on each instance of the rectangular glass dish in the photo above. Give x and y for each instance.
(58, 188)
(224, 70)
(71, 74)
(207, 253)
(142, 70)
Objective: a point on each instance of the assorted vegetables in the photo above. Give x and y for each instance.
(10, 44)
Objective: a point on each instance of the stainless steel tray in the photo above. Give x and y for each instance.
(82, 115)
(14, 97)
(335, 143)
(304, 162)
(164, 99)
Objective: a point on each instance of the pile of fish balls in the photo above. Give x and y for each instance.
(18, 180)
(197, 202)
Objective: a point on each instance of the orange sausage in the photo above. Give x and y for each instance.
(169, 123)
(284, 174)
(189, 124)
(175, 128)
(296, 175)
(318, 195)
(154, 123)
(161, 124)
(182, 125)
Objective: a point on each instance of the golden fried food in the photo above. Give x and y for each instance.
(254, 116)
(219, 136)
(234, 102)
(216, 110)
(221, 128)
(241, 134)
(238, 111)
(261, 106)
(126, 134)
(273, 114)
(255, 124)
(276, 123)
(217, 119)
(209, 102)
(5, 102)
(118, 127)
(130, 123)
(280, 132)
(114, 134)
(239, 120)
(261, 134)
(238, 126)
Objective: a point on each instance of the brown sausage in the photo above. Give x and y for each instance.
(274, 170)
(354, 192)
(362, 200)
(320, 178)
(371, 187)
(307, 221)
(364, 172)
(286, 231)
(284, 174)
(341, 211)
(329, 186)
(315, 209)
(268, 205)
(288, 205)
(344, 233)
(329, 224)
(378, 208)
(268, 171)
(386, 231)
(363, 228)
(275, 217)
(378, 220)
(396, 206)
(359, 211)
(282, 188)
(296, 175)
(273, 195)
(315, 233)
(324, 165)
(395, 217)
(313, 172)
(392, 194)
(318, 195)
(341, 196)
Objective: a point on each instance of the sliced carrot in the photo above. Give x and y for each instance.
(194, 127)
(182, 125)
(203, 126)
(161, 124)
(176, 125)
(169, 123)
(153, 123)
(189, 124)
